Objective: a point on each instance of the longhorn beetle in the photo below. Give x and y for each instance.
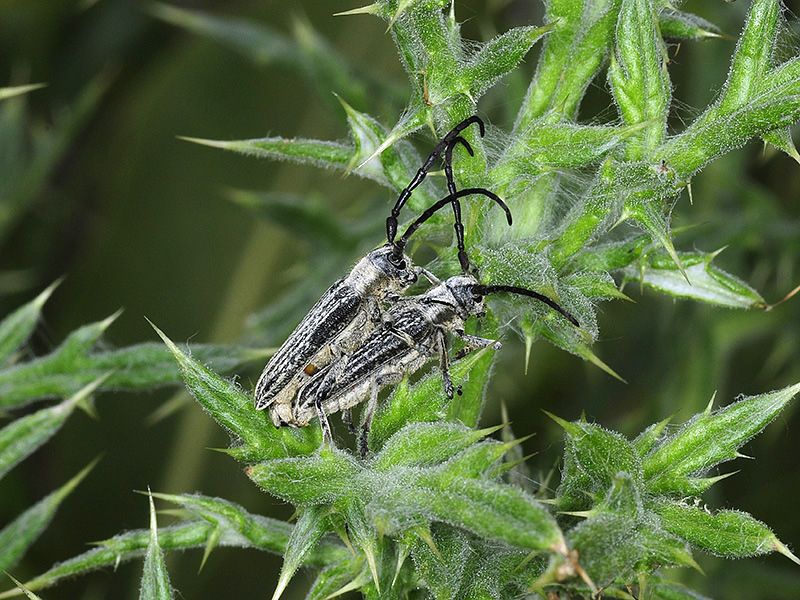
(414, 332)
(346, 312)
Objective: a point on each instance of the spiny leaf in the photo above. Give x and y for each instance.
(376, 8)
(318, 479)
(234, 410)
(419, 444)
(492, 510)
(682, 25)
(443, 573)
(647, 208)
(728, 533)
(593, 458)
(709, 439)
(661, 548)
(407, 125)
(141, 366)
(481, 460)
(610, 256)
(236, 527)
(127, 546)
(706, 282)
(310, 526)
(593, 538)
(23, 588)
(24, 435)
(327, 155)
(64, 358)
(596, 285)
(338, 579)
(645, 441)
(155, 580)
(17, 536)
(369, 139)
(362, 531)
(234, 522)
(16, 327)
(497, 57)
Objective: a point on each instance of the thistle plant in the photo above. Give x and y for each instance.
(441, 507)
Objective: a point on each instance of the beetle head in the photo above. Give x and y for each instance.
(462, 288)
(396, 265)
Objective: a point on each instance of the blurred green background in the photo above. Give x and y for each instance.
(139, 219)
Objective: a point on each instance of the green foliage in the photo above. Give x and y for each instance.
(633, 497)
(436, 508)
(75, 364)
(155, 580)
(74, 372)
(18, 535)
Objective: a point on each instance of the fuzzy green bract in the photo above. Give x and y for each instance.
(435, 510)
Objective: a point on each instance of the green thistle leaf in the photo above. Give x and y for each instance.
(697, 280)
(682, 25)
(639, 78)
(17, 327)
(309, 480)
(311, 525)
(709, 439)
(593, 459)
(22, 532)
(155, 580)
(234, 410)
(22, 437)
(728, 533)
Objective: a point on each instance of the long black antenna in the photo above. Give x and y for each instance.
(463, 258)
(484, 290)
(447, 140)
(449, 199)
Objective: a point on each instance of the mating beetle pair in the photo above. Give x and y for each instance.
(363, 334)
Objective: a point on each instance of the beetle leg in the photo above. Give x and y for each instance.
(327, 437)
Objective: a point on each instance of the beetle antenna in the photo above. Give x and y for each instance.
(484, 290)
(458, 225)
(449, 199)
(447, 140)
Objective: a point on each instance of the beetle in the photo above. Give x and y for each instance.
(414, 332)
(352, 306)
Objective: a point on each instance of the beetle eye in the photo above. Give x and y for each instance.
(397, 261)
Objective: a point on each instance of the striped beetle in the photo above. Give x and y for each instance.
(414, 332)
